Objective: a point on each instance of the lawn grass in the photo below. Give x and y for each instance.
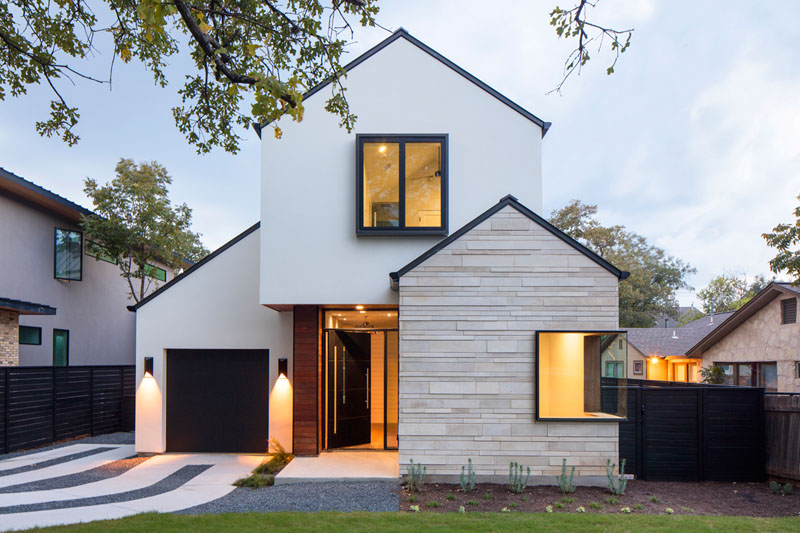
(457, 522)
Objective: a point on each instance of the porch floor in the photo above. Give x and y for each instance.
(349, 465)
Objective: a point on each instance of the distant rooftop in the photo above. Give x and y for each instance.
(674, 341)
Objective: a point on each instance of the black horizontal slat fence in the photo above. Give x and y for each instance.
(677, 431)
(42, 405)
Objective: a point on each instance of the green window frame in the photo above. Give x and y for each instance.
(98, 251)
(67, 256)
(155, 272)
(30, 335)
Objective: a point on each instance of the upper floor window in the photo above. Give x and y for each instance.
(155, 272)
(68, 256)
(789, 311)
(401, 181)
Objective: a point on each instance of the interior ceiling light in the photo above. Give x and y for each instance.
(382, 148)
(366, 324)
(359, 307)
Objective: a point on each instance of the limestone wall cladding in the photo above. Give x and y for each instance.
(468, 317)
(9, 338)
(762, 337)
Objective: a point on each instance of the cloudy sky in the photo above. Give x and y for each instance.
(694, 142)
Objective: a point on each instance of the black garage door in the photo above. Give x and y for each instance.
(217, 400)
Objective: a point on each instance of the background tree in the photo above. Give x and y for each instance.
(655, 276)
(713, 375)
(253, 59)
(729, 292)
(137, 224)
(785, 238)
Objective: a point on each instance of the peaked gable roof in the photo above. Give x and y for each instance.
(401, 33)
(759, 301)
(195, 267)
(674, 341)
(507, 201)
(27, 190)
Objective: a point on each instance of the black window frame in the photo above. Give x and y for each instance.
(401, 139)
(536, 409)
(788, 310)
(55, 254)
(30, 343)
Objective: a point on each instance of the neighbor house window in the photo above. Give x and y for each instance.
(751, 375)
(98, 251)
(30, 335)
(401, 181)
(60, 347)
(572, 372)
(68, 256)
(797, 370)
(789, 311)
(156, 273)
(638, 368)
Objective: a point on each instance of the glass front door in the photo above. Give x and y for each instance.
(348, 388)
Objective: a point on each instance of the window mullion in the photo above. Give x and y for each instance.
(402, 184)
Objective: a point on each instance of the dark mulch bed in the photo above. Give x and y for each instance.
(707, 498)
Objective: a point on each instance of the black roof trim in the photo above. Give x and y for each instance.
(44, 192)
(511, 201)
(196, 266)
(402, 33)
(26, 308)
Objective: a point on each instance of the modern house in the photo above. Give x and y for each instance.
(662, 353)
(759, 345)
(394, 296)
(61, 301)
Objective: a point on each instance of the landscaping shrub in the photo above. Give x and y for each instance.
(565, 483)
(516, 481)
(255, 481)
(616, 484)
(467, 479)
(416, 475)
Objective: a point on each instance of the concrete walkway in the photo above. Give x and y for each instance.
(40, 457)
(342, 466)
(213, 483)
(70, 467)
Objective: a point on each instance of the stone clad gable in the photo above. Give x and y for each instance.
(468, 317)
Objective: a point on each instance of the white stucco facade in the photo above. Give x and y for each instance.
(215, 306)
(310, 253)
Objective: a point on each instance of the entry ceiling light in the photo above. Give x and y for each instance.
(367, 324)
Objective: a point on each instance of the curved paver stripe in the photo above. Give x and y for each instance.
(34, 457)
(70, 467)
(55, 461)
(171, 482)
(100, 473)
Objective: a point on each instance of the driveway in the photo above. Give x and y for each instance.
(89, 481)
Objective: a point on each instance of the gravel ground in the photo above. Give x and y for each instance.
(55, 461)
(305, 497)
(167, 484)
(106, 471)
(126, 437)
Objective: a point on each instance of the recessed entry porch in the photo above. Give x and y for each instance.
(359, 379)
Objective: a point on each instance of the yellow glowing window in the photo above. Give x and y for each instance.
(401, 184)
(580, 375)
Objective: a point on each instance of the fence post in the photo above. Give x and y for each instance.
(53, 404)
(5, 377)
(701, 433)
(91, 401)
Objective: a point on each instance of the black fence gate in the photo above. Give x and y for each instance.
(42, 405)
(691, 432)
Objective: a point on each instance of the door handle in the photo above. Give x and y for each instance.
(368, 389)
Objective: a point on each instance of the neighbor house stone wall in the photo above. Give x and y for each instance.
(762, 338)
(9, 338)
(468, 317)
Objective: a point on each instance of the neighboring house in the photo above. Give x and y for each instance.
(662, 353)
(759, 345)
(61, 302)
(488, 344)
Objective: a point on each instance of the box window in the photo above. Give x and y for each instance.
(68, 256)
(569, 373)
(30, 335)
(789, 311)
(60, 347)
(401, 183)
(156, 273)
